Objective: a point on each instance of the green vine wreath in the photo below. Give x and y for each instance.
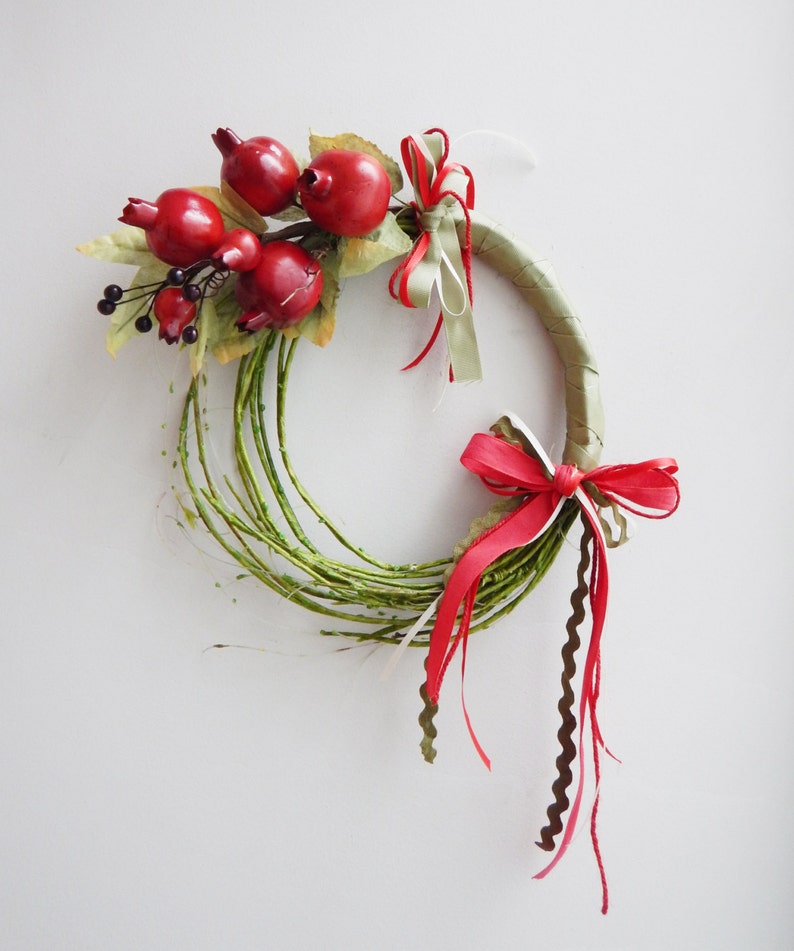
(214, 277)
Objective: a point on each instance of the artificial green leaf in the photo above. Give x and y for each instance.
(349, 140)
(125, 246)
(235, 211)
(361, 255)
(122, 320)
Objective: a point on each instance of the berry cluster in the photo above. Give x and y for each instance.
(277, 281)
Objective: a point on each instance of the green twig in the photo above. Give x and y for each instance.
(383, 599)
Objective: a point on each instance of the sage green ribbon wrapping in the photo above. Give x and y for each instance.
(444, 193)
(535, 279)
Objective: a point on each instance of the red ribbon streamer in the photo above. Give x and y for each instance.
(428, 346)
(647, 488)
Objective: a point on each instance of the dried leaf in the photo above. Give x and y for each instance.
(386, 242)
(235, 347)
(319, 326)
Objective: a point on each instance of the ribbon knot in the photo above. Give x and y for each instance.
(567, 480)
(430, 219)
(444, 194)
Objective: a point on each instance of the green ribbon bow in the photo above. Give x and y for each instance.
(444, 194)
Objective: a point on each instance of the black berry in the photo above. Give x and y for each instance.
(113, 293)
(143, 324)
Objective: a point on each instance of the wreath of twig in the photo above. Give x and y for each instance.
(213, 276)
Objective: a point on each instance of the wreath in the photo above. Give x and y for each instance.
(216, 278)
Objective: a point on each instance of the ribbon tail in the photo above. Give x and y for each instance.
(410, 634)
(520, 527)
(429, 694)
(464, 634)
(429, 731)
(599, 590)
(431, 706)
(464, 353)
(598, 743)
(428, 346)
(568, 727)
(456, 309)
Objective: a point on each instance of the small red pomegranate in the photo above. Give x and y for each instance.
(261, 170)
(345, 192)
(173, 314)
(281, 290)
(182, 227)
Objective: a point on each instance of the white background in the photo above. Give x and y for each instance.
(155, 794)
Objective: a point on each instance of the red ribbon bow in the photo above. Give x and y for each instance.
(438, 184)
(647, 488)
(429, 175)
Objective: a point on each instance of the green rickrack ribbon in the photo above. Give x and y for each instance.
(444, 196)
